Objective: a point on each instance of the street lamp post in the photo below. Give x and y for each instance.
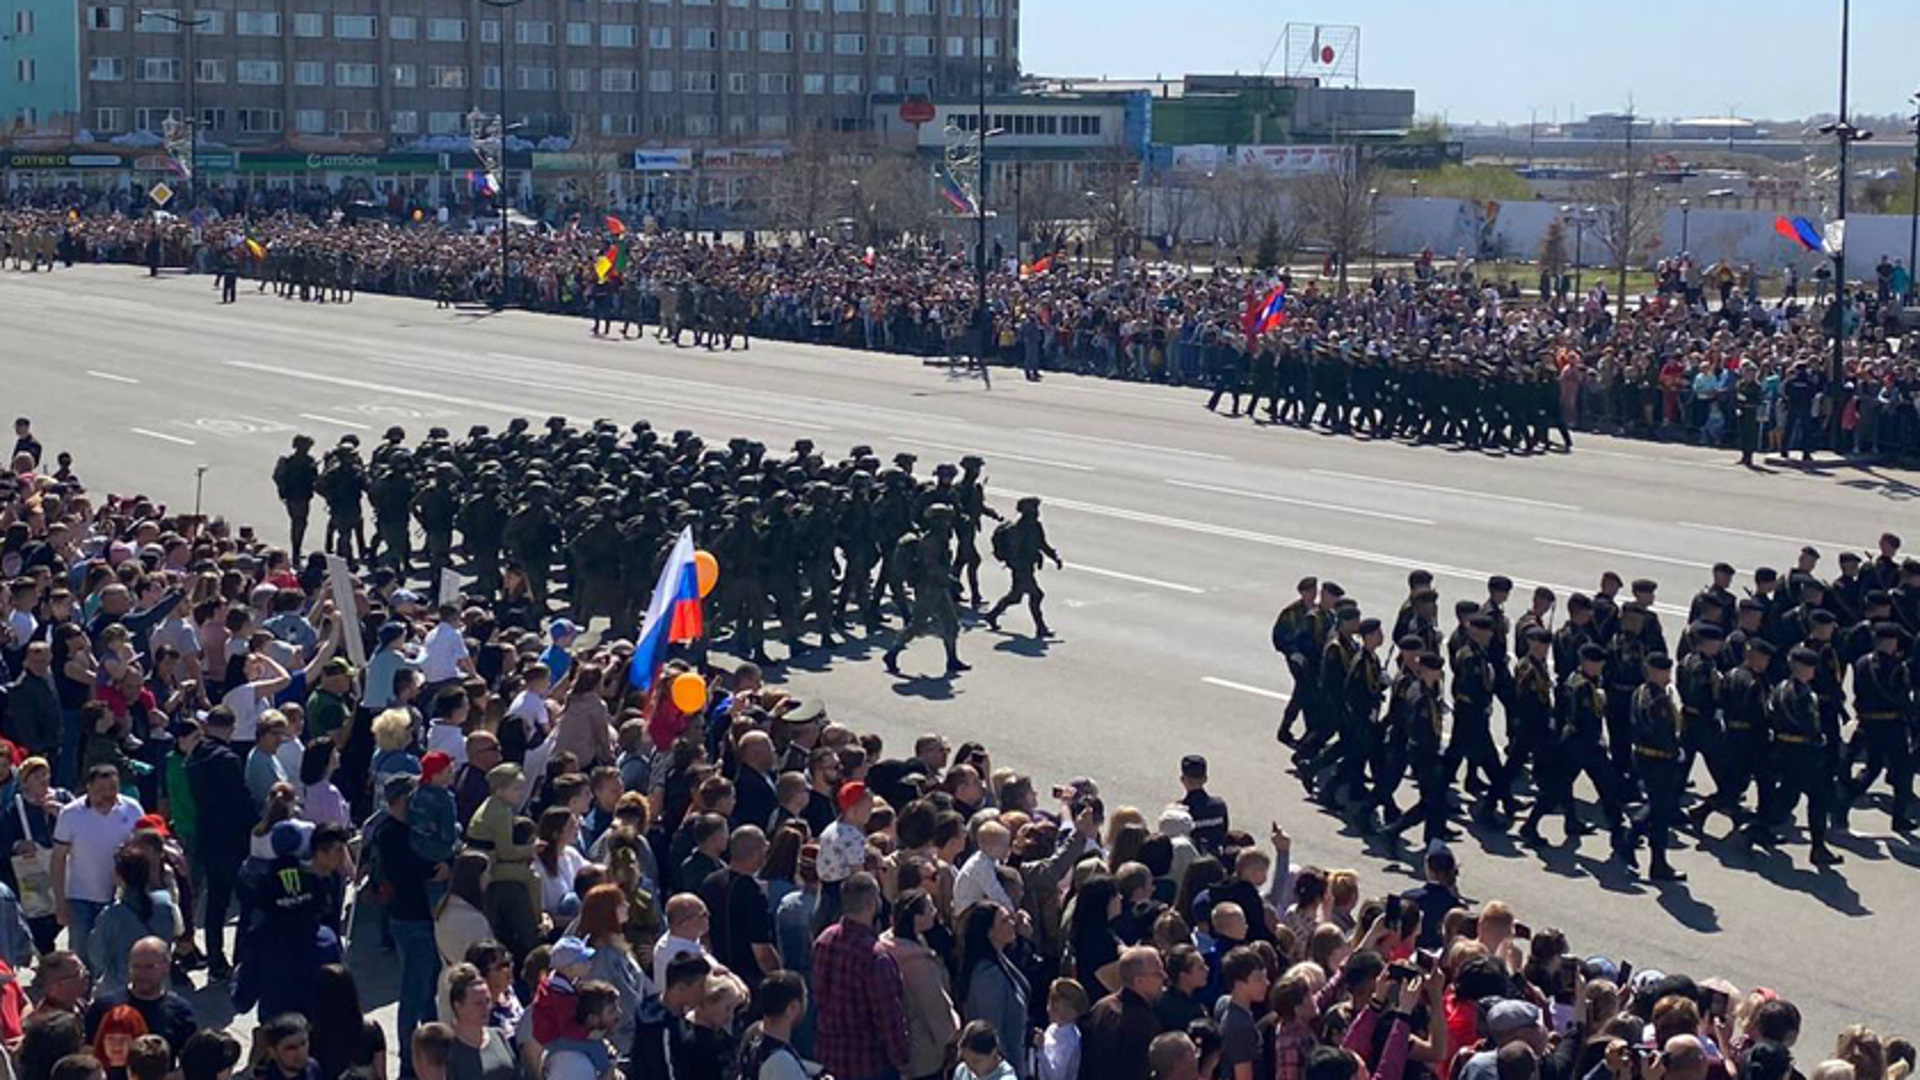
(1846, 134)
(1373, 226)
(1686, 208)
(980, 196)
(1913, 214)
(505, 7)
(190, 28)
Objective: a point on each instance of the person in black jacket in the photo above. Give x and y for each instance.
(219, 785)
(33, 705)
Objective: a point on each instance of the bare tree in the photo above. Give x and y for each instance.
(1628, 227)
(1338, 204)
(893, 196)
(599, 160)
(812, 187)
(1241, 198)
(1113, 200)
(1553, 252)
(1176, 208)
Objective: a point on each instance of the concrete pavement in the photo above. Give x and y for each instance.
(1183, 533)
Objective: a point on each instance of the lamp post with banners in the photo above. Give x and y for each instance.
(505, 7)
(188, 128)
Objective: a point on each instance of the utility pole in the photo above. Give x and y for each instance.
(1913, 213)
(1626, 223)
(1843, 130)
(505, 7)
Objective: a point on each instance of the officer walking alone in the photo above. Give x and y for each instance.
(1022, 545)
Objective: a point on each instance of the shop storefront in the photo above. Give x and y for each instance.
(25, 169)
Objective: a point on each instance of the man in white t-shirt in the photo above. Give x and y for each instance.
(86, 836)
(446, 660)
(687, 924)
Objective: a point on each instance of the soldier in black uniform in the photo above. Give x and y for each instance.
(294, 478)
(1660, 752)
(933, 589)
(1883, 703)
(1389, 761)
(1800, 758)
(1576, 632)
(970, 512)
(1022, 545)
(1740, 759)
(1336, 658)
(1353, 749)
(1580, 715)
(1699, 683)
(1626, 671)
(1530, 708)
(1424, 706)
(1475, 678)
(1293, 639)
(1718, 592)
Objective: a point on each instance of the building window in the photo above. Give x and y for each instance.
(989, 47)
(533, 33)
(738, 83)
(309, 24)
(356, 121)
(918, 45)
(619, 124)
(776, 41)
(404, 122)
(257, 73)
(103, 17)
(447, 77)
(956, 9)
(403, 28)
(814, 41)
(813, 84)
(490, 31)
(24, 69)
(660, 37)
(256, 23)
(618, 80)
(536, 78)
(846, 84)
(403, 75)
(699, 125)
(446, 29)
(23, 22)
(107, 69)
(579, 34)
(158, 21)
(310, 121)
(309, 73)
(212, 22)
(699, 82)
(153, 119)
(702, 39)
(259, 121)
(660, 81)
(446, 123)
(885, 84)
(362, 75)
(108, 120)
(619, 35)
(213, 119)
(773, 124)
(850, 44)
(776, 82)
(956, 45)
(490, 77)
(849, 7)
(776, 5)
(209, 71)
(739, 41)
(883, 7)
(990, 8)
(159, 69)
(356, 27)
(919, 7)
(579, 80)
(885, 44)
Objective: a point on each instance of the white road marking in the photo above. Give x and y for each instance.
(1300, 502)
(162, 436)
(1774, 536)
(381, 388)
(1641, 555)
(1135, 578)
(997, 454)
(1377, 558)
(1258, 691)
(1661, 460)
(1390, 482)
(111, 377)
(1129, 445)
(337, 422)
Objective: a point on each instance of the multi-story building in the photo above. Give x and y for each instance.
(39, 64)
(372, 75)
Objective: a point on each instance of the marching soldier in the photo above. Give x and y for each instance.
(294, 478)
(1883, 701)
(1580, 712)
(341, 485)
(1475, 678)
(391, 493)
(1292, 639)
(1530, 711)
(933, 589)
(1425, 709)
(1659, 748)
(1740, 759)
(1336, 659)
(970, 505)
(1800, 758)
(1022, 545)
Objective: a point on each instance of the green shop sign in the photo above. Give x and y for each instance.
(367, 163)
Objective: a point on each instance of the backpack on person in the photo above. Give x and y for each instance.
(1002, 542)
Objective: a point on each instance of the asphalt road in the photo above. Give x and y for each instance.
(1183, 533)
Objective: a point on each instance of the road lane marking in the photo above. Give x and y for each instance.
(1258, 691)
(1300, 502)
(1772, 536)
(111, 377)
(1137, 579)
(336, 421)
(162, 436)
(1377, 558)
(1129, 445)
(605, 395)
(1390, 482)
(997, 455)
(1641, 555)
(380, 388)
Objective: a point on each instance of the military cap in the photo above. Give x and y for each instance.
(478, 431)
(1480, 622)
(1499, 583)
(945, 468)
(1410, 645)
(1418, 578)
(1724, 568)
(1850, 558)
(1542, 592)
(349, 439)
(1369, 626)
(1539, 635)
(1878, 598)
(640, 427)
(1885, 630)
(1660, 662)
(1762, 646)
(1432, 662)
(1579, 602)
(1609, 578)
(1804, 656)
(1348, 612)
(555, 423)
(1810, 551)
(681, 435)
(521, 423)
(396, 433)
(905, 459)
(1592, 652)
(1821, 617)
(1641, 585)
(1464, 608)
(1765, 574)
(803, 447)
(1332, 588)
(439, 433)
(1307, 584)
(1706, 631)
(302, 441)
(1634, 608)
(972, 461)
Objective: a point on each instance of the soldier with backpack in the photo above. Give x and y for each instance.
(1022, 545)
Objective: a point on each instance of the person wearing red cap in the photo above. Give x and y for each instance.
(433, 820)
(843, 849)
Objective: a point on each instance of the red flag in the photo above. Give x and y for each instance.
(616, 226)
(1042, 264)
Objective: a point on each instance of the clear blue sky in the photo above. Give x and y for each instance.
(1493, 60)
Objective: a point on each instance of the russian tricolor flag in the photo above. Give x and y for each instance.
(1264, 315)
(673, 616)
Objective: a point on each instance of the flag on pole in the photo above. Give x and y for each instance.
(611, 263)
(1264, 313)
(255, 249)
(483, 182)
(1042, 264)
(955, 195)
(673, 615)
(615, 226)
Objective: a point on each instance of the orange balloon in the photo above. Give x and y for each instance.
(689, 693)
(706, 570)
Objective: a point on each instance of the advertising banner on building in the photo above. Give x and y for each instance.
(1292, 160)
(670, 159)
